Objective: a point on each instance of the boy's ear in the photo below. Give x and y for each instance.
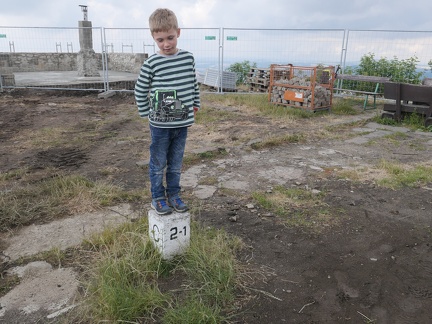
(178, 32)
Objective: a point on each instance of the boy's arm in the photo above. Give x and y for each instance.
(197, 102)
(142, 88)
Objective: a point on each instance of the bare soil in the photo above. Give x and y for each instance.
(368, 259)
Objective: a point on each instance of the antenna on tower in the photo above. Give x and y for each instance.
(84, 10)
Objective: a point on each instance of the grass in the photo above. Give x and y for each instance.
(259, 104)
(298, 207)
(126, 279)
(50, 137)
(56, 196)
(396, 137)
(413, 121)
(399, 176)
(209, 181)
(132, 283)
(195, 158)
(391, 174)
(342, 106)
(13, 174)
(278, 140)
(209, 115)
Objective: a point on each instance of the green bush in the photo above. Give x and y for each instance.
(404, 71)
(241, 69)
(395, 69)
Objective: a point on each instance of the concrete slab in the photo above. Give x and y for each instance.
(106, 94)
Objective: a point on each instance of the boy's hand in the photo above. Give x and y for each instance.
(195, 110)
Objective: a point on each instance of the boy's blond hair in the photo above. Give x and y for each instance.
(162, 20)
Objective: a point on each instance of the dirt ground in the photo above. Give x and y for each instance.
(370, 261)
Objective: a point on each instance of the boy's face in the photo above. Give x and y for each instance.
(167, 41)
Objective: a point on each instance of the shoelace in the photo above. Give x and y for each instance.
(178, 201)
(162, 203)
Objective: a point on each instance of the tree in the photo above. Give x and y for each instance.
(395, 69)
(241, 69)
(404, 71)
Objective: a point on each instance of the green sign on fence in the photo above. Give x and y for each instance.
(2, 35)
(232, 38)
(210, 38)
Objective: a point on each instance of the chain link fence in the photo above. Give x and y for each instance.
(33, 57)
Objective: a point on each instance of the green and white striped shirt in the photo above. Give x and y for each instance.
(173, 79)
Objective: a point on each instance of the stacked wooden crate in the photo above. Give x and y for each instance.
(258, 79)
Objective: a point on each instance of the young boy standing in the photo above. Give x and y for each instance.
(167, 93)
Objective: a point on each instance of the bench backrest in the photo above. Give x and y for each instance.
(408, 92)
(366, 78)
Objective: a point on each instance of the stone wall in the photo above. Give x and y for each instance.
(126, 62)
(38, 62)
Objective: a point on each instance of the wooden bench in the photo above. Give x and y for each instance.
(362, 78)
(409, 98)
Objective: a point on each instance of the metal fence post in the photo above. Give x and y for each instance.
(104, 60)
(221, 61)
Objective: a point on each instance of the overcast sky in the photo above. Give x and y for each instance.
(413, 15)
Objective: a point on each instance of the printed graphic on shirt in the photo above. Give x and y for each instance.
(167, 108)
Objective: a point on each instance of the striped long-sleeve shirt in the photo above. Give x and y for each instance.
(167, 90)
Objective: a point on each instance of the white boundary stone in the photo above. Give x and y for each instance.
(170, 234)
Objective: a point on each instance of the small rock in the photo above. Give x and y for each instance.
(250, 206)
(122, 143)
(142, 164)
(268, 215)
(233, 219)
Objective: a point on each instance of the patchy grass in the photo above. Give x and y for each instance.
(413, 121)
(278, 140)
(218, 108)
(57, 196)
(259, 104)
(130, 282)
(193, 159)
(210, 115)
(342, 106)
(298, 207)
(208, 181)
(391, 175)
(402, 175)
(396, 136)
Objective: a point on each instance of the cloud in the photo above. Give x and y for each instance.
(197, 14)
(330, 14)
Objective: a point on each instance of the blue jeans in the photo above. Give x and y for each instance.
(166, 151)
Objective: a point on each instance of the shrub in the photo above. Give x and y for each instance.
(397, 70)
(241, 69)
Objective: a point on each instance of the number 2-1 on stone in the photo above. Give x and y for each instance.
(174, 231)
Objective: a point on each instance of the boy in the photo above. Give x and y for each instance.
(167, 93)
